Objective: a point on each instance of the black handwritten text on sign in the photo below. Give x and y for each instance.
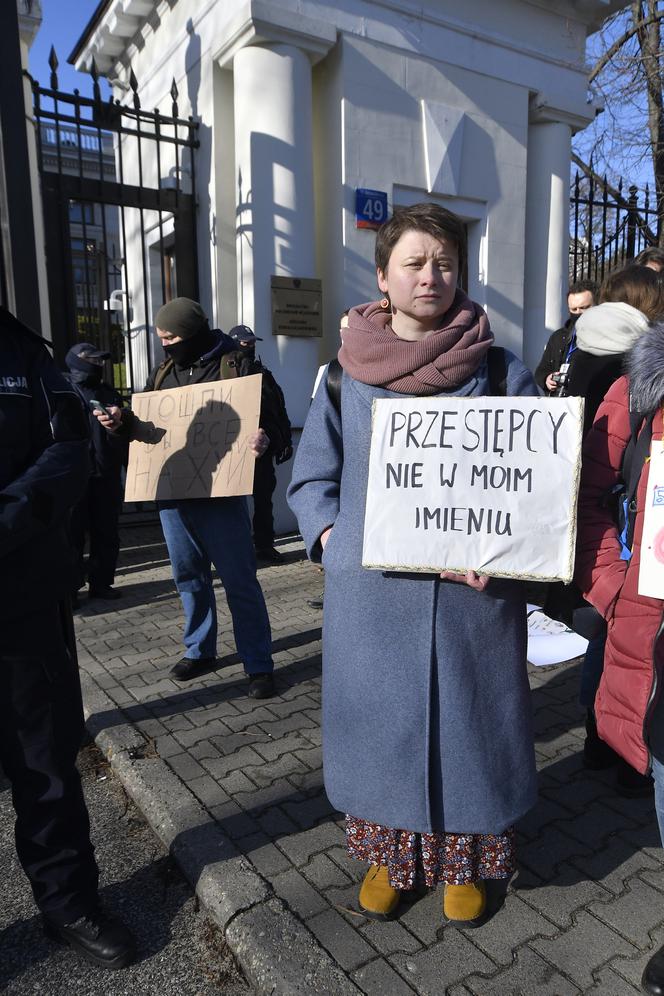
(192, 441)
(486, 484)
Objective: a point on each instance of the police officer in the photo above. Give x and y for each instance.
(43, 472)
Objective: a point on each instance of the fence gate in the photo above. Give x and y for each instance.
(119, 215)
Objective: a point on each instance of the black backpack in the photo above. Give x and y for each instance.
(497, 376)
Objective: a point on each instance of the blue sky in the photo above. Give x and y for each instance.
(63, 24)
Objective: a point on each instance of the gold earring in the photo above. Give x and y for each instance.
(385, 303)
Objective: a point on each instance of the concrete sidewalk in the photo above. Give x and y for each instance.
(234, 787)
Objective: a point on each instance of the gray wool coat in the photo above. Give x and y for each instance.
(427, 718)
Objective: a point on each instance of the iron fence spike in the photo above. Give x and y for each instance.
(53, 63)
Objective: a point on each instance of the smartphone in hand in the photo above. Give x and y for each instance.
(102, 408)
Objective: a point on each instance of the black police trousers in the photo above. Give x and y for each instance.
(97, 516)
(41, 725)
(265, 481)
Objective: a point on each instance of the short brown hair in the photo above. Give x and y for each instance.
(653, 254)
(430, 218)
(636, 285)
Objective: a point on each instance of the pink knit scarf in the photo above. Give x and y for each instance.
(372, 353)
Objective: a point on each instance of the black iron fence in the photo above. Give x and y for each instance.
(608, 228)
(119, 206)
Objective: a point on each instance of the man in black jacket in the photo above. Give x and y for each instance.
(98, 511)
(580, 297)
(204, 531)
(274, 419)
(43, 473)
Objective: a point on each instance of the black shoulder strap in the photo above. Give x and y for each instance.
(497, 364)
(333, 383)
(160, 375)
(637, 450)
(634, 457)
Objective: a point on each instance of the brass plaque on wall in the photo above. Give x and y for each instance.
(297, 307)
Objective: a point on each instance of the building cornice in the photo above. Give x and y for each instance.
(262, 23)
(109, 31)
(544, 109)
(116, 24)
(29, 19)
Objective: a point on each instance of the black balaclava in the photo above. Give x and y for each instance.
(247, 358)
(185, 353)
(186, 319)
(83, 371)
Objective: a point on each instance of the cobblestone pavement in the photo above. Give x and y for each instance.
(583, 914)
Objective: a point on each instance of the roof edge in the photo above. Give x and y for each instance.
(97, 15)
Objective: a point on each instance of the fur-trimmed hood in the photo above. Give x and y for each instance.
(645, 366)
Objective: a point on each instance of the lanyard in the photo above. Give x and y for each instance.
(571, 347)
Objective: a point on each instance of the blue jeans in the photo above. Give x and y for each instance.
(205, 531)
(656, 745)
(591, 671)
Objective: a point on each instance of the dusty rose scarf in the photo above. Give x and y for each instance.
(372, 353)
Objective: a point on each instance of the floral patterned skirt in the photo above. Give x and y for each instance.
(429, 858)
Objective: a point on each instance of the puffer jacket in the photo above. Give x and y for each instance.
(634, 654)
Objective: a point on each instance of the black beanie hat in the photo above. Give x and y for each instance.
(182, 317)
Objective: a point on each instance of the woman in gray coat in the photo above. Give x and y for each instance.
(427, 727)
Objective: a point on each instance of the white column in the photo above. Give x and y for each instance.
(547, 235)
(274, 190)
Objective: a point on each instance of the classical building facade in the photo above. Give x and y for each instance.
(302, 103)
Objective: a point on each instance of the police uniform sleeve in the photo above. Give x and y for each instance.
(59, 467)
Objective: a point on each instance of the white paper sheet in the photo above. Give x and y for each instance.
(550, 641)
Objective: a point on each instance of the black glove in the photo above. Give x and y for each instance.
(285, 455)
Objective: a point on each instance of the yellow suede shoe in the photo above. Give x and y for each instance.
(377, 897)
(465, 904)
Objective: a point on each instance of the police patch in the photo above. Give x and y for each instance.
(13, 383)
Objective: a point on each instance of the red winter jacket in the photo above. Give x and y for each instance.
(634, 653)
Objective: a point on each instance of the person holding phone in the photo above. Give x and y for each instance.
(96, 515)
(202, 532)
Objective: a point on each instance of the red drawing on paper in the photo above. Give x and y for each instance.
(658, 546)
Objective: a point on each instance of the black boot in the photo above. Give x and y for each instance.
(632, 783)
(597, 755)
(652, 980)
(100, 938)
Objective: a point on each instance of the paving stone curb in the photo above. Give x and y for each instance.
(278, 954)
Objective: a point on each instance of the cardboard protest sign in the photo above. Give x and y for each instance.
(193, 441)
(651, 568)
(485, 484)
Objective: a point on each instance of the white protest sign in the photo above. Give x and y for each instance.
(193, 441)
(486, 484)
(651, 568)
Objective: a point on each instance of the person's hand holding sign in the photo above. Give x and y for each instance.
(258, 442)
(471, 578)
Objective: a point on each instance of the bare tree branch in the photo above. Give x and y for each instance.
(613, 49)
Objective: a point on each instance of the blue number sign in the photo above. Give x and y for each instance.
(370, 208)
